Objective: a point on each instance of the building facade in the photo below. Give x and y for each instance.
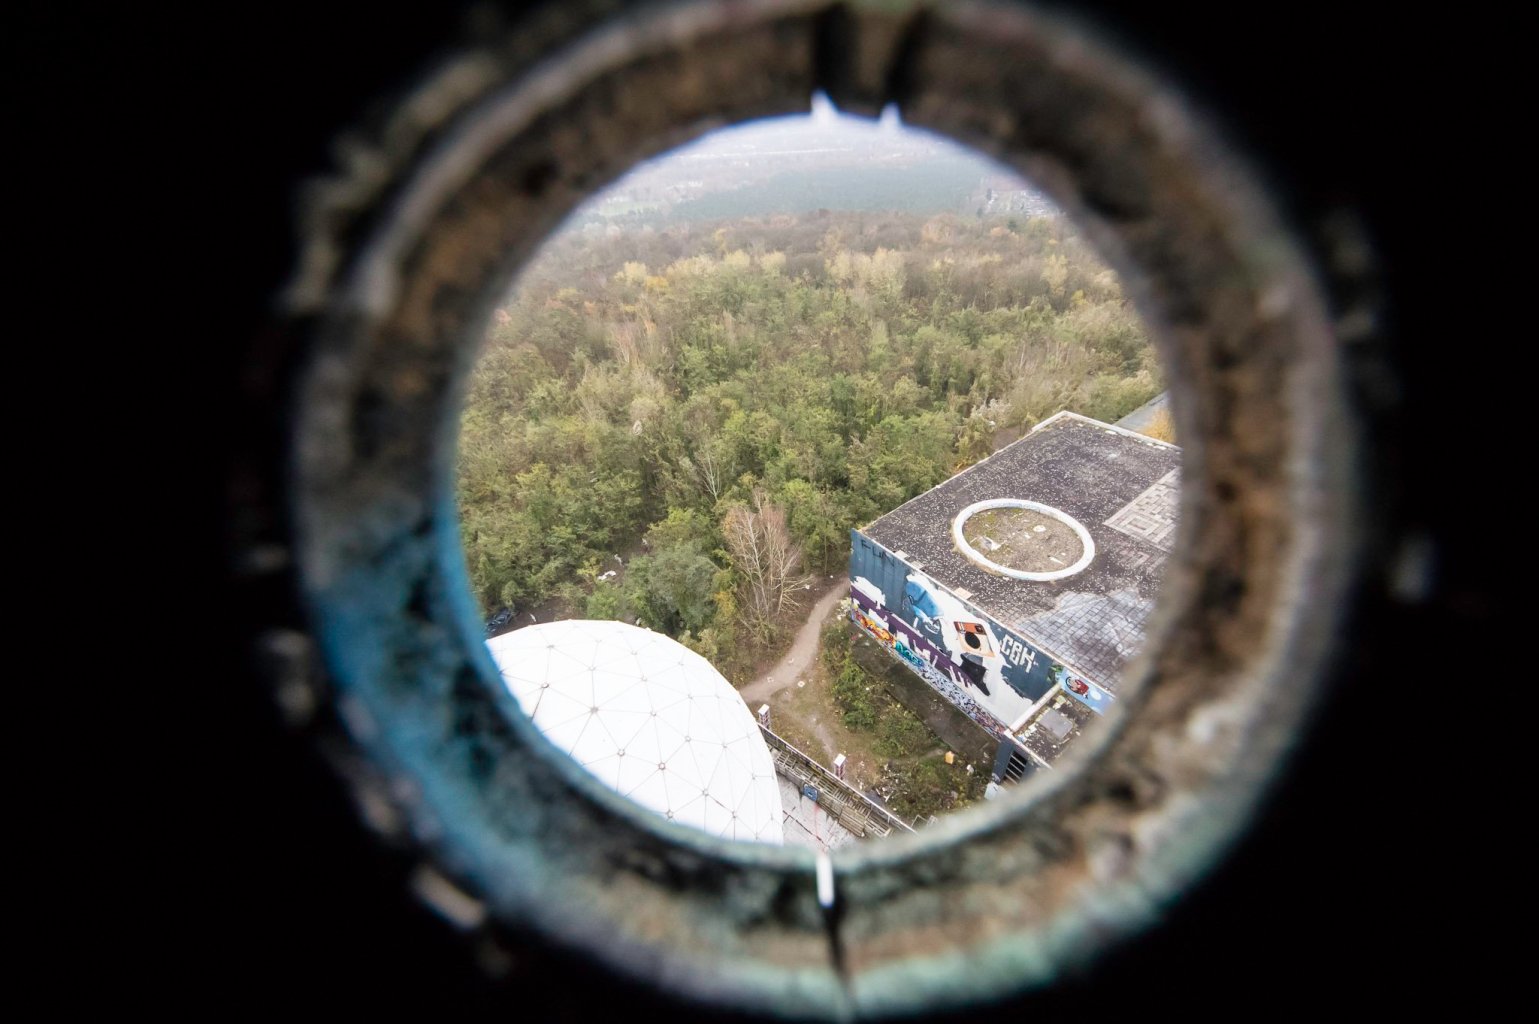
(1018, 588)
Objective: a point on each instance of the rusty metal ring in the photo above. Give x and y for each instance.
(405, 252)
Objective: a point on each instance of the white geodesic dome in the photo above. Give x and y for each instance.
(650, 718)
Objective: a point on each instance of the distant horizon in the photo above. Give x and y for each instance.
(822, 119)
(801, 162)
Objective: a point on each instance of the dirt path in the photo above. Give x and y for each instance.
(799, 659)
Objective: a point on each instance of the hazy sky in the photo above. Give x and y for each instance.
(826, 127)
(824, 118)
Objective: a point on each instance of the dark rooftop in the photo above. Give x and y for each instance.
(1119, 485)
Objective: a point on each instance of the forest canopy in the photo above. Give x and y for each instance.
(679, 425)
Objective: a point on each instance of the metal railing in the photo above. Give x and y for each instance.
(850, 807)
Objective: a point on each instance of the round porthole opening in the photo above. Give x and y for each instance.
(405, 258)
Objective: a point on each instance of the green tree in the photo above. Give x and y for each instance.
(641, 383)
(672, 589)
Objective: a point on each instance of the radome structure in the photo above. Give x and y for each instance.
(650, 718)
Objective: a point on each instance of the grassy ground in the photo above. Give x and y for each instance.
(953, 728)
(849, 704)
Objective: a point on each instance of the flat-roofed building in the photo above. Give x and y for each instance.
(1019, 587)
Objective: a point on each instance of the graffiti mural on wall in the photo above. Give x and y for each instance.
(985, 669)
(976, 688)
(921, 657)
(1083, 690)
(983, 666)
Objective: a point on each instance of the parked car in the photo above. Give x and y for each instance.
(499, 623)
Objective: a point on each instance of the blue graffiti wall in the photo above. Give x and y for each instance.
(988, 671)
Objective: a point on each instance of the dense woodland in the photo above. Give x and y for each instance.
(718, 403)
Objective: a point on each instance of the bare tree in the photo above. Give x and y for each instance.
(707, 461)
(766, 557)
(709, 469)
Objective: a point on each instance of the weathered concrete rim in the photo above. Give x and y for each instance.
(405, 255)
(978, 558)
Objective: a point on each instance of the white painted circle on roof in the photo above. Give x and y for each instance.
(972, 554)
(650, 718)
